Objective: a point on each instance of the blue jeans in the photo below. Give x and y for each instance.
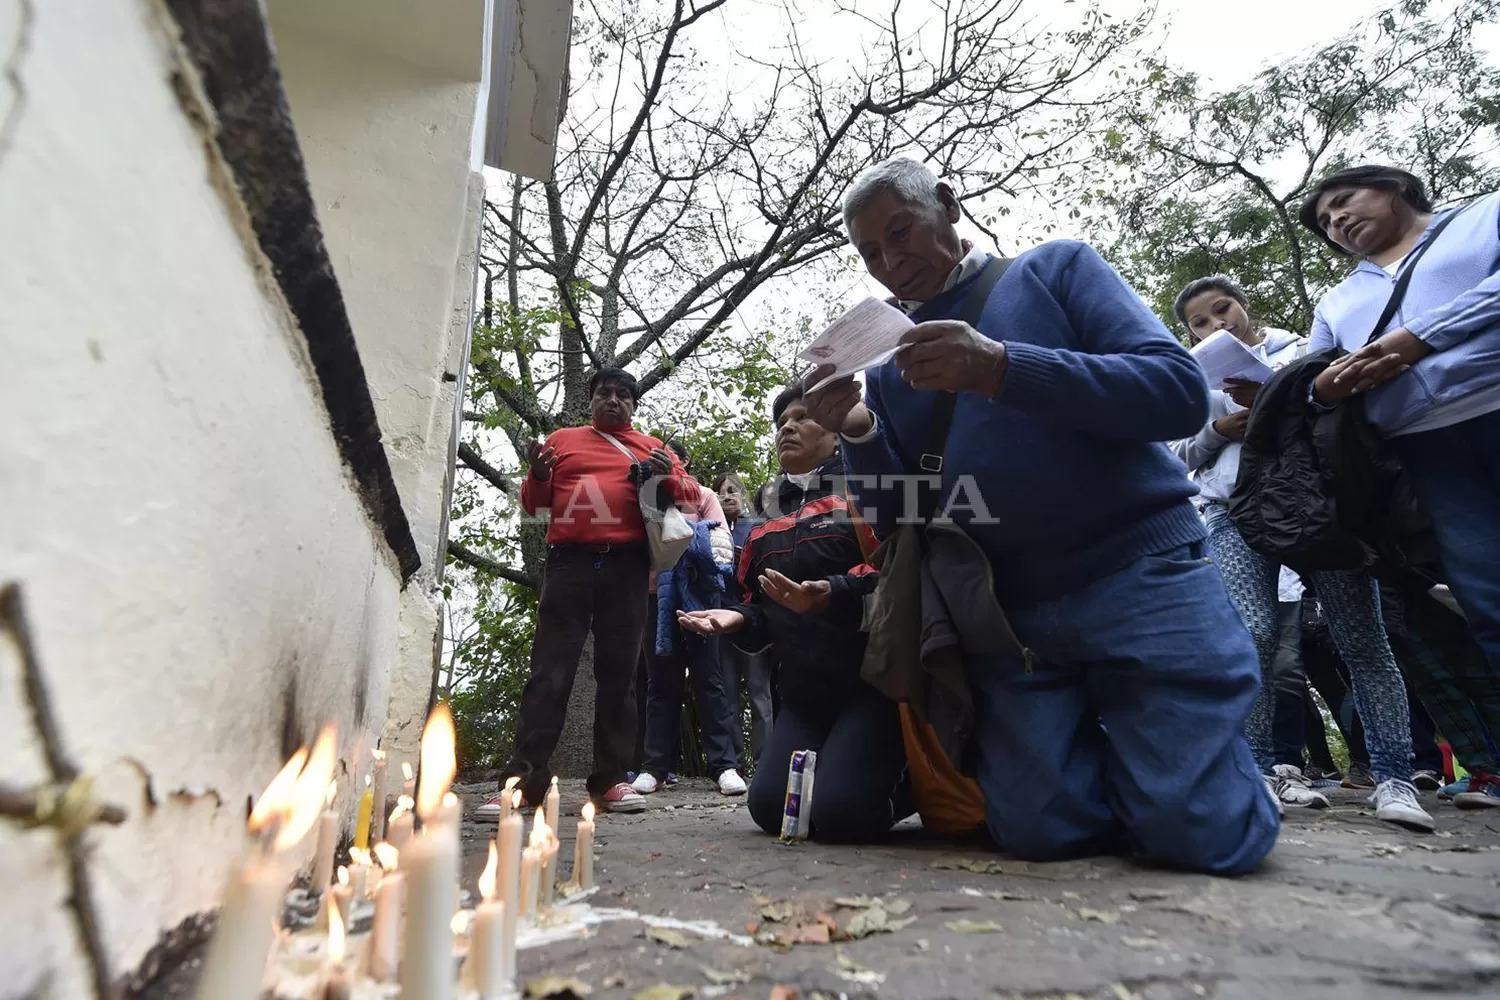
(1128, 731)
(1351, 606)
(1456, 474)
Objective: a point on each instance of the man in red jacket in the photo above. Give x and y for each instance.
(598, 564)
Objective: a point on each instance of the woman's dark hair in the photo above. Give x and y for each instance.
(786, 397)
(619, 376)
(726, 477)
(1221, 283)
(681, 450)
(1393, 179)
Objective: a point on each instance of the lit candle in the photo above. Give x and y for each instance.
(409, 786)
(362, 824)
(336, 980)
(507, 801)
(583, 849)
(359, 872)
(328, 841)
(399, 829)
(510, 880)
(235, 964)
(431, 866)
(377, 798)
(487, 944)
(531, 869)
(550, 847)
(385, 930)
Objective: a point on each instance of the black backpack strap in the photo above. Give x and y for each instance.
(942, 410)
(1399, 292)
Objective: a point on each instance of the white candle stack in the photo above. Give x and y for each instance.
(377, 798)
(235, 965)
(402, 824)
(583, 849)
(491, 952)
(328, 837)
(385, 932)
(431, 865)
(511, 830)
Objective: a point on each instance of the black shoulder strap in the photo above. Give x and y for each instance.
(942, 410)
(1399, 292)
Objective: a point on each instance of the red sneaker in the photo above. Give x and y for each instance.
(622, 799)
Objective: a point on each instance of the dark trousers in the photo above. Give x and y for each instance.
(860, 789)
(583, 591)
(1455, 472)
(1289, 688)
(1448, 671)
(754, 671)
(666, 676)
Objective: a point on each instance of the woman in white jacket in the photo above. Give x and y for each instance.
(1350, 601)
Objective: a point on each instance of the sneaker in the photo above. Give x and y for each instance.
(730, 783)
(1395, 801)
(1454, 788)
(1358, 777)
(490, 810)
(671, 779)
(622, 799)
(1427, 781)
(1271, 793)
(1483, 793)
(645, 783)
(1288, 784)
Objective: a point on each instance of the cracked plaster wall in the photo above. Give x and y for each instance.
(202, 577)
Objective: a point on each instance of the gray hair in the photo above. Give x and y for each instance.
(907, 179)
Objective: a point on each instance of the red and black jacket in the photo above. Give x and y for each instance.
(810, 535)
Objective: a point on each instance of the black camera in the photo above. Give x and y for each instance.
(641, 473)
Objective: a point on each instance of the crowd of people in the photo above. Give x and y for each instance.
(1174, 567)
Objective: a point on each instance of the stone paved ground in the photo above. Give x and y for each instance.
(1346, 907)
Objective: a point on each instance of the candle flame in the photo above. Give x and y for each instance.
(515, 802)
(358, 856)
(460, 923)
(306, 796)
(331, 794)
(403, 806)
(554, 782)
(406, 771)
(387, 856)
(541, 833)
(368, 781)
(588, 812)
(438, 761)
(487, 878)
(343, 875)
(272, 801)
(511, 782)
(378, 754)
(335, 935)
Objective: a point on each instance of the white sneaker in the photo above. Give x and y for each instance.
(1271, 791)
(1395, 801)
(730, 783)
(1288, 784)
(645, 783)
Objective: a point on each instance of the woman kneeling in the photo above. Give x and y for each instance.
(805, 580)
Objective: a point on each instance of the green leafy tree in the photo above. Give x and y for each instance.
(1205, 183)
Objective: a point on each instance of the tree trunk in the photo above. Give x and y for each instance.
(574, 757)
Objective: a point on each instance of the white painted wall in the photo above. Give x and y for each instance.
(170, 496)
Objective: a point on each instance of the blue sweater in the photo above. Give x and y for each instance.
(1064, 478)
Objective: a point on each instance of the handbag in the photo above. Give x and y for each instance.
(668, 533)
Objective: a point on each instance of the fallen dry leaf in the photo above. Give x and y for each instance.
(973, 926)
(858, 902)
(778, 913)
(979, 866)
(1100, 916)
(867, 922)
(662, 991)
(1145, 895)
(896, 925)
(865, 977)
(1008, 894)
(779, 992)
(669, 937)
(557, 988)
(897, 907)
(730, 978)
